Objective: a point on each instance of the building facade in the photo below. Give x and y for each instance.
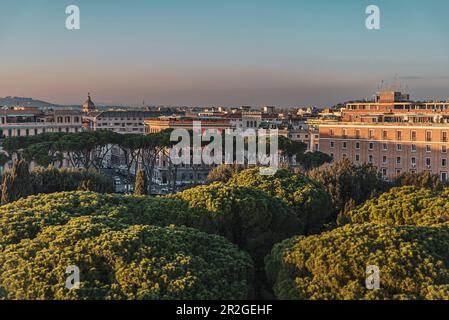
(185, 174)
(119, 121)
(394, 134)
(28, 121)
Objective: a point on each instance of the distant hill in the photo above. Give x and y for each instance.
(25, 102)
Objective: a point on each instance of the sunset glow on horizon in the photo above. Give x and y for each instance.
(202, 53)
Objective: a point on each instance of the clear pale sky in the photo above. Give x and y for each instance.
(210, 52)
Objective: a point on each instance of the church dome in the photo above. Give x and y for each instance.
(88, 104)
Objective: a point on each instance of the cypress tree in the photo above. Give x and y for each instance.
(17, 182)
(141, 186)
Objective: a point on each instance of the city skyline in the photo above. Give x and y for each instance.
(206, 53)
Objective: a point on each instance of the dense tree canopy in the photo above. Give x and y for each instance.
(421, 180)
(306, 197)
(17, 183)
(26, 218)
(247, 217)
(312, 160)
(115, 241)
(346, 182)
(413, 263)
(224, 172)
(50, 180)
(403, 206)
(119, 261)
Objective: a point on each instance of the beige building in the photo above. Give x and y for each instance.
(393, 134)
(119, 121)
(27, 121)
(184, 174)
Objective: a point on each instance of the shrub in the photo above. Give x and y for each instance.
(118, 261)
(403, 206)
(20, 182)
(413, 263)
(306, 197)
(16, 182)
(223, 172)
(51, 179)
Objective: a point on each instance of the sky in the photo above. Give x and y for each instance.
(233, 52)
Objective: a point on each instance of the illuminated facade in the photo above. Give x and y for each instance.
(394, 134)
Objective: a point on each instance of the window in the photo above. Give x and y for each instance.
(357, 145)
(385, 134)
(344, 155)
(370, 158)
(399, 135)
(413, 135)
(443, 149)
(371, 134)
(399, 147)
(444, 162)
(385, 147)
(398, 172)
(444, 176)
(398, 160)
(428, 136)
(384, 172)
(344, 145)
(444, 136)
(345, 133)
(357, 134)
(428, 148)
(384, 160)
(414, 148)
(332, 133)
(371, 146)
(428, 162)
(332, 144)
(413, 161)
(357, 157)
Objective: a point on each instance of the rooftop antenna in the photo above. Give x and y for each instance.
(395, 83)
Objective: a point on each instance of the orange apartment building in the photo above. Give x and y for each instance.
(394, 134)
